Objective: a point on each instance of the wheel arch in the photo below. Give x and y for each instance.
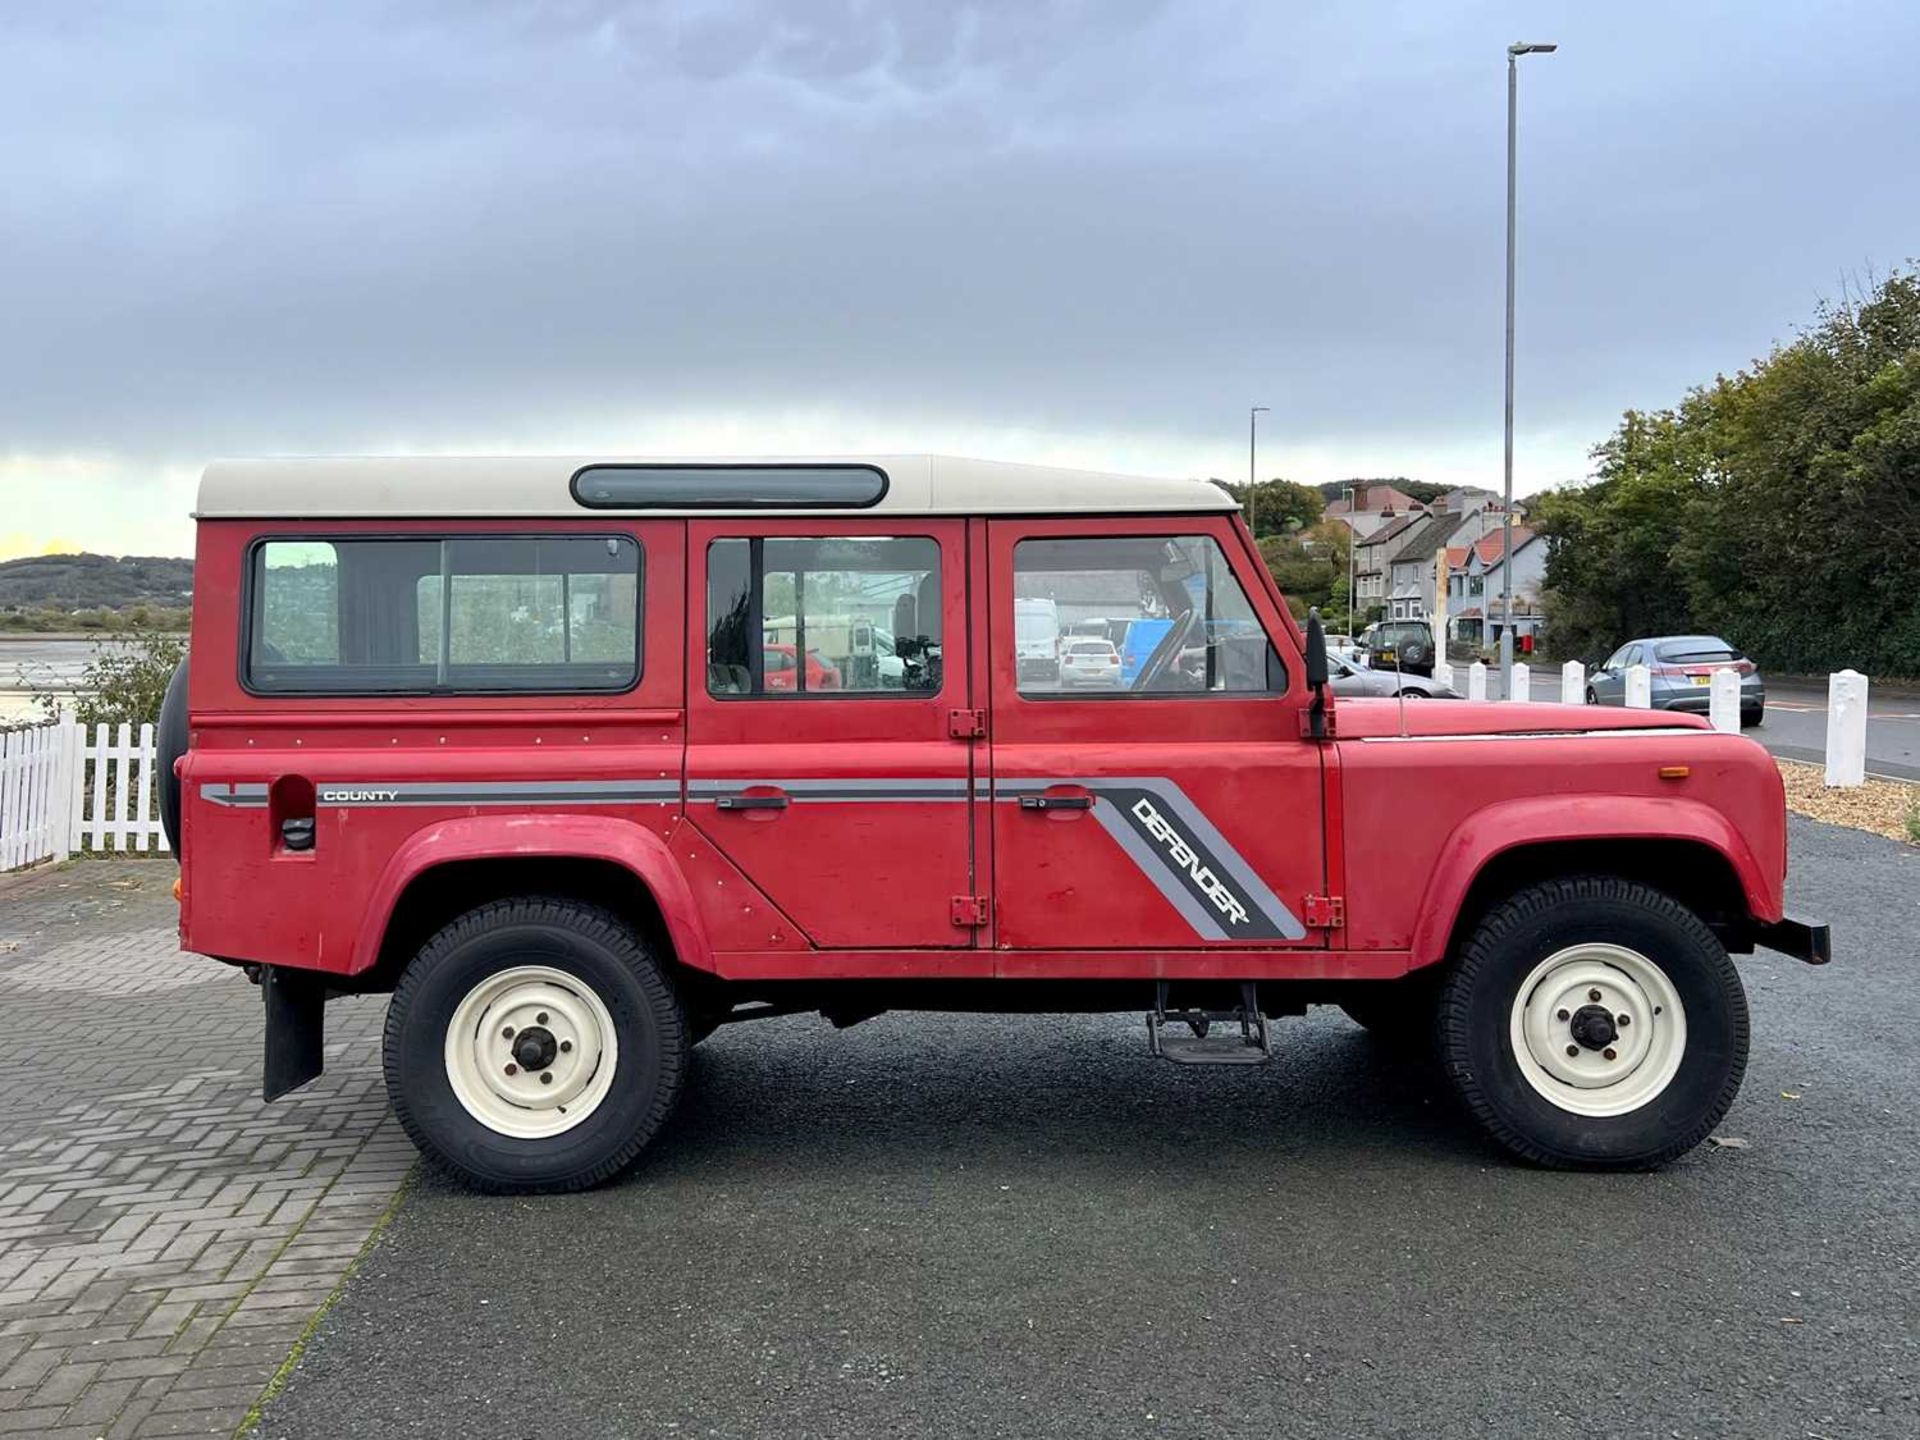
(1683, 848)
(448, 868)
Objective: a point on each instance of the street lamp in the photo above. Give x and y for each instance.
(1353, 531)
(1514, 52)
(1253, 423)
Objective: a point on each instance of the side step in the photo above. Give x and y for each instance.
(1245, 1044)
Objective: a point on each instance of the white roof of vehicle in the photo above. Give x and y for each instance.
(509, 486)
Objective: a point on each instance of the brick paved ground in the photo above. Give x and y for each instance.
(164, 1236)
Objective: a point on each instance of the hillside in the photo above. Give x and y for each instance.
(89, 582)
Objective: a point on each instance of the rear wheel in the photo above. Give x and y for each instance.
(1750, 718)
(1592, 698)
(1594, 1022)
(534, 1044)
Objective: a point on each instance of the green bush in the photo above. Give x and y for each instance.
(124, 682)
(1779, 507)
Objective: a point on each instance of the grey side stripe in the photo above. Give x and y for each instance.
(811, 791)
(1182, 853)
(241, 797)
(359, 794)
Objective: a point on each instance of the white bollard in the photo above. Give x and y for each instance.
(1477, 680)
(1443, 674)
(1522, 683)
(1639, 687)
(1847, 728)
(1573, 683)
(1723, 703)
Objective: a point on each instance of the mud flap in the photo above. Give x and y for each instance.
(296, 1027)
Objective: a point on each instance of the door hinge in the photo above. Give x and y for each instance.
(966, 724)
(970, 910)
(1325, 912)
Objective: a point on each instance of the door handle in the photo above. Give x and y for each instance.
(1056, 802)
(751, 802)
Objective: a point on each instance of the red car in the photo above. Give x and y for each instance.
(782, 669)
(504, 739)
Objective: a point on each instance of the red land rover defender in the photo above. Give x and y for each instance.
(504, 738)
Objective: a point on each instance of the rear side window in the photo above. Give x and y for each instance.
(448, 615)
(1187, 627)
(832, 616)
(1700, 651)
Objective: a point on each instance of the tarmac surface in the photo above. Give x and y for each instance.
(937, 1226)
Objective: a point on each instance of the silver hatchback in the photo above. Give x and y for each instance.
(1680, 675)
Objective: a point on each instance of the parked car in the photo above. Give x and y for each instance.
(1351, 679)
(783, 669)
(1405, 645)
(1680, 675)
(568, 855)
(1036, 638)
(1089, 663)
(1345, 647)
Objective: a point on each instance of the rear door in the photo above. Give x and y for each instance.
(1179, 808)
(824, 660)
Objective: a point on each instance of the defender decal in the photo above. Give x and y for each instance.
(1184, 858)
(1181, 853)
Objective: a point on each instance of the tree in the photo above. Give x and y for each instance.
(1280, 507)
(1778, 507)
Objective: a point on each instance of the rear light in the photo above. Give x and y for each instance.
(1744, 667)
(1669, 670)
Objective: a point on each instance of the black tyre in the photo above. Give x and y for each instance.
(1592, 697)
(534, 1045)
(1594, 1022)
(1750, 718)
(170, 743)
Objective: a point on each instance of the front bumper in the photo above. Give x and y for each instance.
(1808, 940)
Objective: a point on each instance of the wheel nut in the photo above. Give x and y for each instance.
(565, 1046)
(1593, 994)
(1608, 1052)
(1623, 1021)
(1573, 1050)
(541, 1018)
(546, 1077)
(1562, 1015)
(513, 1069)
(507, 1034)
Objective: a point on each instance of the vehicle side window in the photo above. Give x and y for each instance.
(835, 616)
(450, 615)
(1170, 605)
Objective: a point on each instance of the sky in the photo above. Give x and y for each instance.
(1091, 232)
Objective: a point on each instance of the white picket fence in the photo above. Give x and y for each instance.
(62, 792)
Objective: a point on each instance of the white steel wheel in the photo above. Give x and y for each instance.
(1598, 1029)
(531, 1052)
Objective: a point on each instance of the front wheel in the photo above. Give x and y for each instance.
(1594, 1023)
(1592, 697)
(534, 1045)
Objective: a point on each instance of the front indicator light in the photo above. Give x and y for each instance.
(1675, 772)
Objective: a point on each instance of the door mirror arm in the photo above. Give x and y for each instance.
(1316, 676)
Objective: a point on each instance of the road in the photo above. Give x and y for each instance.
(951, 1227)
(1795, 727)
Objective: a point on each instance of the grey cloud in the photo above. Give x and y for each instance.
(241, 227)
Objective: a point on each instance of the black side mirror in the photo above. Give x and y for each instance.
(1316, 651)
(1316, 675)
